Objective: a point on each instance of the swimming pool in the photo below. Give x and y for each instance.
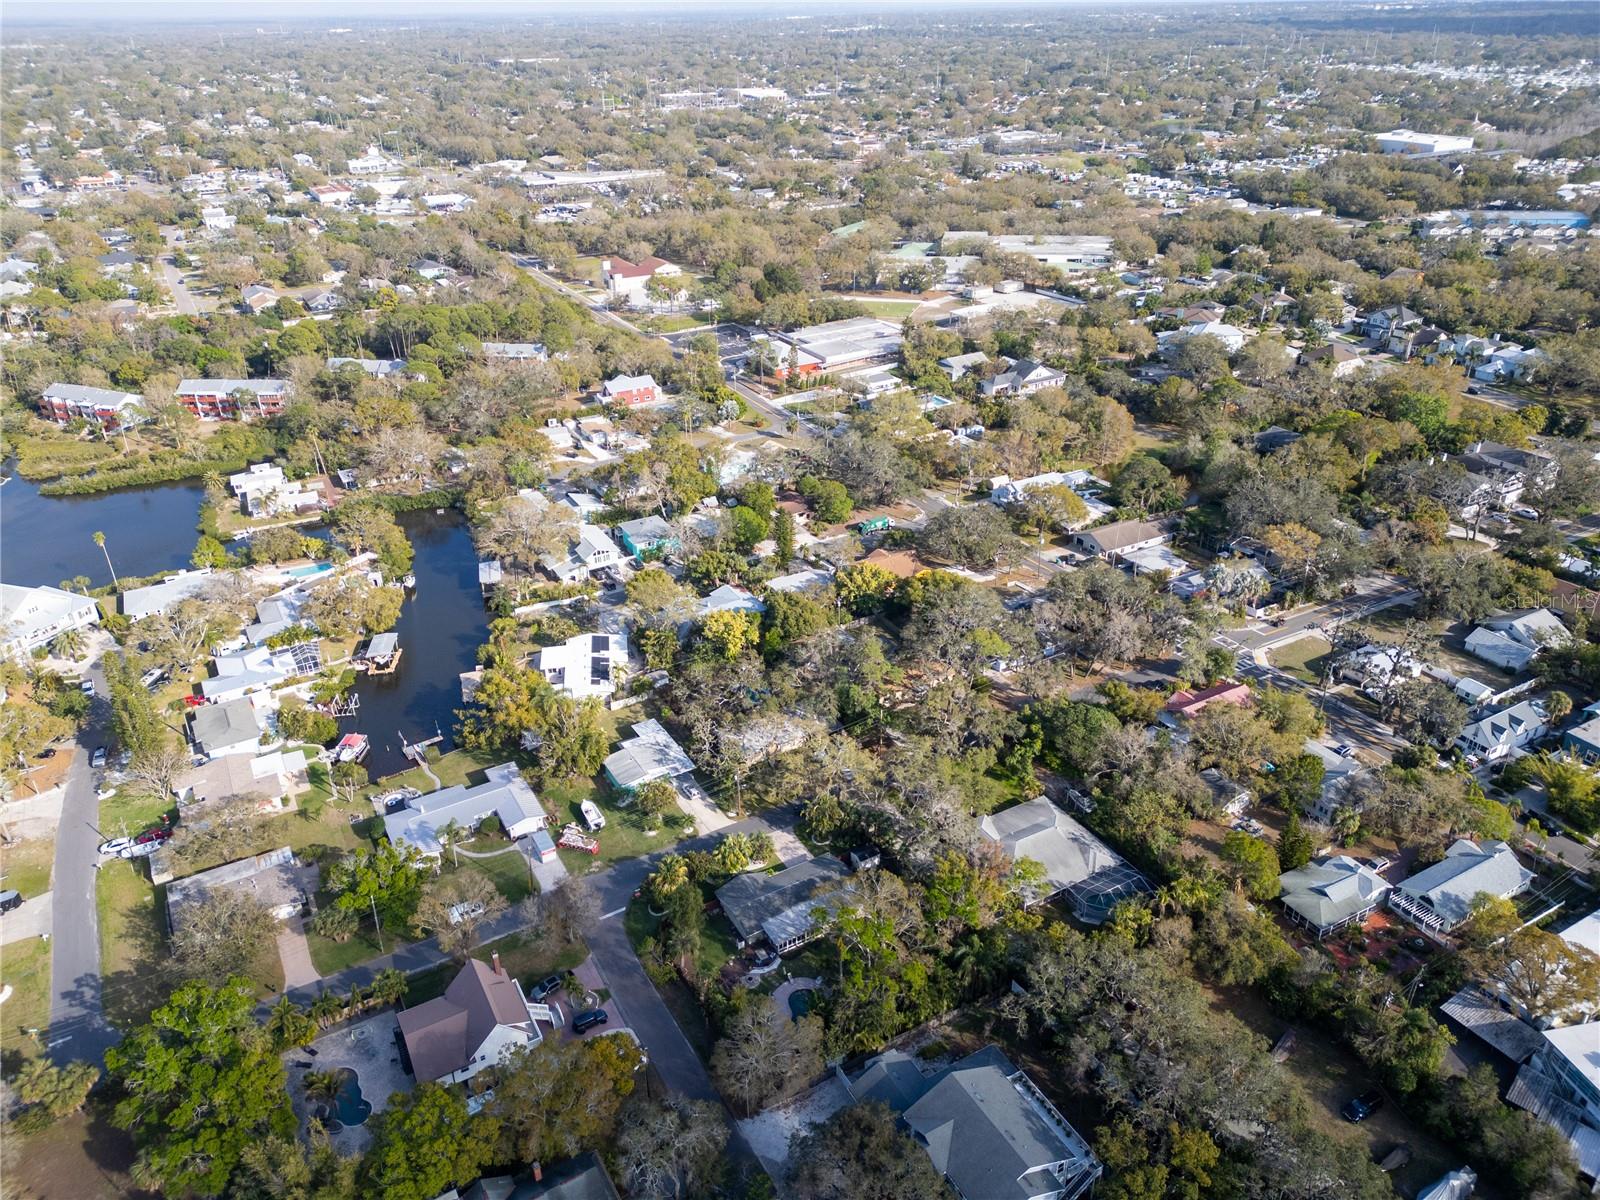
(348, 1107)
(801, 1002)
(310, 571)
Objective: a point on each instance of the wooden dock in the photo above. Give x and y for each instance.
(385, 666)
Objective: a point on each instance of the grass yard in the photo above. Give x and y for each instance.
(26, 866)
(25, 967)
(625, 834)
(889, 310)
(508, 871)
(717, 945)
(587, 268)
(1303, 658)
(329, 956)
(130, 812)
(457, 767)
(132, 941)
(674, 323)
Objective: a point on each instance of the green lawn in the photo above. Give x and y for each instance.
(673, 323)
(508, 871)
(329, 956)
(25, 966)
(132, 941)
(1303, 658)
(717, 946)
(130, 812)
(625, 834)
(459, 766)
(889, 310)
(26, 866)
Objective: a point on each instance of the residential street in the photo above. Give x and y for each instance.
(78, 1027)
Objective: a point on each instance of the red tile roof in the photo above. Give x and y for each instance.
(1187, 703)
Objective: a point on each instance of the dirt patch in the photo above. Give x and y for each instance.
(81, 1158)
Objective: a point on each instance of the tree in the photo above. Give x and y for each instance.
(863, 587)
(385, 881)
(453, 908)
(180, 636)
(1425, 712)
(57, 1091)
(524, 531)
(100, 540)
(655, 799)
(766, 1056)
(364, 525)
(653, 591)
(201, 1082)
(425, 1144)
(1252, 863)
(829, 500)
(284, 1168)
(69, 644)
(561, 1097)
(209, 552)
(729, 634)
(289, 1025)
(972, 535)
(1074, 732)
(1295, 844)
(299, 722)
(1572, 789)
(1545, 976)
(218, 932)
(859, 1153)
(669, 1149)
(783, 537)
(134, 722)
(569, 910)
(1051, 509)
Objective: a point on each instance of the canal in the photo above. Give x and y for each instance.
(441, 627)
(46, 539)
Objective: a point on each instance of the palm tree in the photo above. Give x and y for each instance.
(322, 1085)
(388, 986)
(69, 644)
(100, 540)
(325, 1009)
(450, 834)
(289, 1025)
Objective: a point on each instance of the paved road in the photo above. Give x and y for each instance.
(182, 298)
(78, 1026)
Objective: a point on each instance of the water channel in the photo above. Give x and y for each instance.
(47, 539)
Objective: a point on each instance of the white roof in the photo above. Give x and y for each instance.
(505, 794)
(627, 383)
(1580, 1046)
(729, 598)
(584, 664)
(25, 610)
(1448, 887)
(158, 597)
(77, 393)
(1584, 933)
(650, 754)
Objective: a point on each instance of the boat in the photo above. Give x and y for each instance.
(409, 582)
(352, 747)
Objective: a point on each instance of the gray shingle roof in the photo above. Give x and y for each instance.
(756, 899)
(1448, 887)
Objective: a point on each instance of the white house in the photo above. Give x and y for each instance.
(1512, 640)
(1022, 377)
(1438, 898)
(587, 664)
(482, 1016)
(159, 597)
(651, 753)
(1231, 337)
(31, 617)
(258, 669)
(1376, 667)
(959, 366)
(593, 551)
(373, 162)
(1505, 732)
(504, 795)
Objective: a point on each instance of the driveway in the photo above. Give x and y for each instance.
(78, 1026)
(30, 921)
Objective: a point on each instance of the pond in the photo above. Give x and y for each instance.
(46, 539)
(348, 1107)
(441, 627)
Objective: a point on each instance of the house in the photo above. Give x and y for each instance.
(959, 366)
(630, 390)
(322, 300)
(504, 794)
(593, 551)
(515, 352)
(988, 1129)
(1377, 667)
(1273, 437)
(1148, 560)
(234, 399)
(1185, 703)
(482, 1016)
(588, 664)
(581, 1178)
(1561, 1086)
(1582, 741)
(1112, 541)
(1427, 341)
(33, 616)
(217, 219)
(651, 753)
(1439, 898)
(373, 162)
(1512, 640)
(218, 730)
(1337, 358)
(780, 907)
(1231, 798)
(266, 781)
(109, 409)
(1338, 773)
(1511, 363)
(332, 195)
(258, 669)
(1505, 732)
(729, 598)
(1379, 325)
(647, 536)
(1329, 893)
(118, 262)
(1022, 377)
(257, 297)
(1094, 877)
(629, 282)
(1231, 337)
(377, 368)
(275, 879)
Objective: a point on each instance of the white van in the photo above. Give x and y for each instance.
(592, 816)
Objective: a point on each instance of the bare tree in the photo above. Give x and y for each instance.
(454, 907)
(219, 931)
(570, 909)
(524, 530)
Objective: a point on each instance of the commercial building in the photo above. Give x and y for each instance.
(63, 402)
(629, 282)
(234, 399)
(1409, 141)
(830, 347)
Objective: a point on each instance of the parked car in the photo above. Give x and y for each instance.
(115, 845)
(10, 899)
(1344, 750)
(86, 686)
(545, 988)
(98, 758)
(588, 1019)
(1363, 1106)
